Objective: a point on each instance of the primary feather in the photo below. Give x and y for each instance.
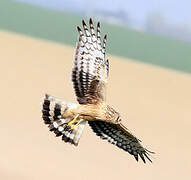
(89, 62)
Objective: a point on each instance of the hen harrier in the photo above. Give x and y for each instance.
(89, 76)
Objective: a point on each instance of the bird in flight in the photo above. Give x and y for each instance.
(89, 76)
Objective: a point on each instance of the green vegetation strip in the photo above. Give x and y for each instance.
(61, 27)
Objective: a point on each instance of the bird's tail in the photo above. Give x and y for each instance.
(53, 111)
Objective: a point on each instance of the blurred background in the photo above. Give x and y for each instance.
(149, 48)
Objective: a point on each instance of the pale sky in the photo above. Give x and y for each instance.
(175, 11)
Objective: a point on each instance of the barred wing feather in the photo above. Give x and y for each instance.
(118, 135)
(90, 69)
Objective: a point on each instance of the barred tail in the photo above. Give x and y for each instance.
(53, 110)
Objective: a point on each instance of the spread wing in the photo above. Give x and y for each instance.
(118, 135)
(90, 69)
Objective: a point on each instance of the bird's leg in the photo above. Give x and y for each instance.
(73, 120)
(75, 125)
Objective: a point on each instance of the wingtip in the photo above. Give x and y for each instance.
(79, 29)
(148, 157)
(90, 21)
(136, 157)
(83, 23)
(142, 157)
(149, 151)
(98, 24)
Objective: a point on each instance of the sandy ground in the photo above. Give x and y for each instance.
(154, 102)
